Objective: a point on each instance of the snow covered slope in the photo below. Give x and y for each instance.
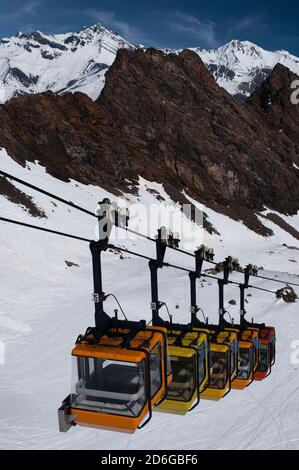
(35, 62)
(45, 305)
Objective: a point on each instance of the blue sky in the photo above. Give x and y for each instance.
(206, 23)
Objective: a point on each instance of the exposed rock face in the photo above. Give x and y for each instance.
(273, 102)
(280, 222)
(164, 117)
(13, 194)
(63, 133)
(171, 116)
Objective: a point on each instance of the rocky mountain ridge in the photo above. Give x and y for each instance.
(163, 117)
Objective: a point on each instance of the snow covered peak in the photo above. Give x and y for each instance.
(91, 34)
(241, 66)
(36, 62)
(232, 53)
(246, 53)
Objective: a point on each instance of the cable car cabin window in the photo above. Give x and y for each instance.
(168, 363)
(246, 363)
(155, 368)
(233, 356)
(202, 354)
(219, 373)
(263, 364)
(272, 348)
(183, 385)
(256, 349)
(107, 386)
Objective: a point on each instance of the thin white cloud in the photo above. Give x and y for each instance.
(247, 22)
(27, 9)
(203, 31)
(109, 19)
(30, 7)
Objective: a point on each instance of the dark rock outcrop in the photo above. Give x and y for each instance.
(272, 101)
(13, 194)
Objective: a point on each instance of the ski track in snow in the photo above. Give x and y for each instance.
(45, 305)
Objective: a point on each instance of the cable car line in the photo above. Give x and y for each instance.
(139, 255)
(64, 201)
(47, 193)
(125, 250)
(43, 229)
(218, 278)
(262, 289)
(127, 229)
(115, 247)
(176, 267)
(87, 240)
(80, 208)
(278, 280)
(238, 284)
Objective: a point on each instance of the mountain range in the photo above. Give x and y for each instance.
(36, 62)
(162, 116)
